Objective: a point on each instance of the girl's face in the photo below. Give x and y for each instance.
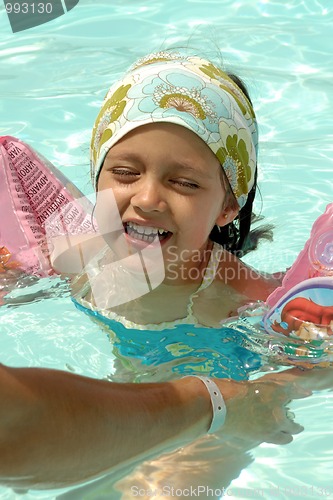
(166, 182)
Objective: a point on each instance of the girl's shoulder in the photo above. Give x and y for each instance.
(244, 279)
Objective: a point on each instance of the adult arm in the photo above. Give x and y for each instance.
(57, 428)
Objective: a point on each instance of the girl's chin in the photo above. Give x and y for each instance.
(138, 258)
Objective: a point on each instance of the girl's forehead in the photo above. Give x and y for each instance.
(169, 139)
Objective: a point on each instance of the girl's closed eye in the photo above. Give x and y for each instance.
(124, 172)
(185, 183)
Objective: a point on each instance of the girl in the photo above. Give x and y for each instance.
(174, 164)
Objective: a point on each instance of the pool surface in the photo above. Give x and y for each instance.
(52, 81)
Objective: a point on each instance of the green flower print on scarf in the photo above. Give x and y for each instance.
(212, 71)
(110, 112)
(234, 159)
(217, 74)
(184, 103)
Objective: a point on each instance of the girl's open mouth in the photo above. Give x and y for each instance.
(145, 233)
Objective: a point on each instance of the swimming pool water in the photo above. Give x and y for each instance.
(52, 81)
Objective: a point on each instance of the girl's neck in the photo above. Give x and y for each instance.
(191, 272)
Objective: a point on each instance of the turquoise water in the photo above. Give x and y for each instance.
(52, 81)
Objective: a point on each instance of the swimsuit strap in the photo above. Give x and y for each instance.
(209, 276)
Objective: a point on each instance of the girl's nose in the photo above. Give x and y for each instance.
(149, 197)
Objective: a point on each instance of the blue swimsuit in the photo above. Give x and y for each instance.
(191, 347)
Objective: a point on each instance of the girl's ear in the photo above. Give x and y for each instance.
(227, 215)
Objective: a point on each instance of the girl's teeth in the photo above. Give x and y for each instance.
(145, 233)
(145, 230)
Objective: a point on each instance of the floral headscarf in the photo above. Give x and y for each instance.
(187, 91)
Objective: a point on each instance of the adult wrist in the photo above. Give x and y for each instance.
(217, 403)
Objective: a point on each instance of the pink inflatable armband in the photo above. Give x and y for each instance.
(32, 190)
(316, 259)
(304, 312)
(298, 329)
(296, 322)
(302, 308)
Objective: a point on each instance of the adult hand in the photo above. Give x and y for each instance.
(259, 412)
(316, 379)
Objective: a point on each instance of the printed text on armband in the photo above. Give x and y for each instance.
(52, 208)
